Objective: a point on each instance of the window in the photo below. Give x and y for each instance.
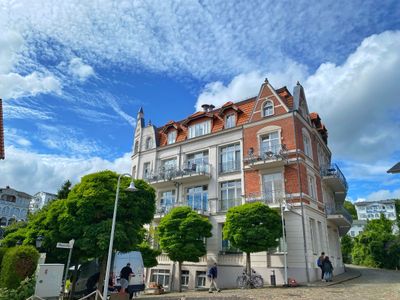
(270, 143)
(313, 236)
(199, 129)
(167, 200)
(146, 170)
(312, 191)
(230, 121)
(307, 144)
(231, 192)
(197, 162)
(352, 233)
(169, 164)
(280, 248)
(136, 148)
(201, 279)
(273, 187)
(3, 221)
(171, 137)
(149, 143)
(6, 210)
(268, 108)
(185, 278)
(197, 197)
(320, 232)
(160, 276)
(230, 158)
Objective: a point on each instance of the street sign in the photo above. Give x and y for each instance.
(64, 245)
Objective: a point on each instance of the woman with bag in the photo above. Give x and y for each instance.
(327, 268)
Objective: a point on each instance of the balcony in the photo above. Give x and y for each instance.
(189, 173)
(340, 216)
(201, 207)
(272, 156)
(271, 198)
(229, 167)
(334, 178)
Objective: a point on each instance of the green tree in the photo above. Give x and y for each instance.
(252, 227)
(64, 190)
(347, 247)
(181, 235)
(349, 206)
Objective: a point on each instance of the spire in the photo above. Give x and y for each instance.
(141, 110)
(140, 118)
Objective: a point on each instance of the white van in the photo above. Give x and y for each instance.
(136, 282)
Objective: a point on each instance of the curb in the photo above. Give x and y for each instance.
(353, 275)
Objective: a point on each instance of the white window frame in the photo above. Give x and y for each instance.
(230, 121)
(276, 188)
(169, 199)
(226, 186)
(268, 108)
(307, 144)
(161, 273)
(201, 275)
(313, 236)
(312, 186)
(185, 278)
(191, 193)
(270, 142)
(199, 129)
(231, 156)
(171, 137)
(149, 143)
(146, 170)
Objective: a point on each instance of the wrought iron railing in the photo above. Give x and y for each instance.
(269, 197)
(334, 170)
(173, 173)
(267, 153)
(332, 209)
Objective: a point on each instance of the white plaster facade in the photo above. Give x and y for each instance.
(39, 200)
(14, 206)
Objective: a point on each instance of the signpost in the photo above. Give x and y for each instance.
(69, 246)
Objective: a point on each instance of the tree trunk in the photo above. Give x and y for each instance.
(73, 283)
(248, 264)
(179, 276)
(103, 266)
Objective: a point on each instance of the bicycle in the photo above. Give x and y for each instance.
(253, 281)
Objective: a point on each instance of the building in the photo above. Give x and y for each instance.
(372, 210)
(395, 169)
(2, 155)
(268, 148)
(14, 206)
(39, 200)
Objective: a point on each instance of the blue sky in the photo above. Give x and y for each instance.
(73, 76)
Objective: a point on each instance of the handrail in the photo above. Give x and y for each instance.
(334, 170)
(186, 170)
(271, 197)
(270, 152)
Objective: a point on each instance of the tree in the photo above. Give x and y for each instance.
(181, 235)
(252, 227)
(351, 209)
(63, 192)
(347, 246)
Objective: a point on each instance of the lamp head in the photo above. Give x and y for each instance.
(131, 187)
(39, 241)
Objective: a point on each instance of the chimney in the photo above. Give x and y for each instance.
(211, 107)
(205, 107)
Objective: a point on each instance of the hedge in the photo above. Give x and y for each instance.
(18, 263)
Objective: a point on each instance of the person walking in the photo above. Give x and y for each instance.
(212, 275)
(328, 269)
(125, 273)
(320, 262)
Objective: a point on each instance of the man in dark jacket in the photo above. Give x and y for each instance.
(328, 269)
(125, 273)
(212, 275)
(320, 262)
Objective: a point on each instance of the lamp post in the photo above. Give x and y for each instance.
(131, 188)
(39, 242)
(283, 209)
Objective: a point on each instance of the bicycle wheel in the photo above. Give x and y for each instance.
(258, 281)
(241, 282)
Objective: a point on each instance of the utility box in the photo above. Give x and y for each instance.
(48, 280)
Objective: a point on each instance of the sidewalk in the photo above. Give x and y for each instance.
(350, 273)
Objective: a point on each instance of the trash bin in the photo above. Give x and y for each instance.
(273, 278)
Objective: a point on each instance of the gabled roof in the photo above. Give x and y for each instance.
(394, 169)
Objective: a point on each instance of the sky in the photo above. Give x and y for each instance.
(73, 75)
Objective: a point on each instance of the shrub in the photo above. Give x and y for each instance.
(18, 263)
(24, 290)
(3, 251)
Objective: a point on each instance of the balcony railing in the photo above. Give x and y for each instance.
(334, 171)
(229, 166)
(270, 197)
(174, 173)
(225, 204)
(268, 153)
(338, 210)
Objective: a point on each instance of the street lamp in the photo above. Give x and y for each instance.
(131, 188)
(284, 208)
(39, 241)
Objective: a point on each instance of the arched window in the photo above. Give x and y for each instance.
(268, 108)
(3, 221)
(6, 210)
(149, 143)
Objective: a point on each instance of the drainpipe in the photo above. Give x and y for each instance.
(301, 198)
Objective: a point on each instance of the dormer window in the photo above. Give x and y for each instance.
(199, 129)
(230, 121)
(149, 143)
(268, 108)
(171, 137)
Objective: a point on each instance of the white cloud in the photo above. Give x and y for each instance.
(10, 43)
(80, 69)
(382, 195)
(31, 172)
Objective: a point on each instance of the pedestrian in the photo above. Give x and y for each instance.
(320, 261)
(328, 269)
(125, 273)
(212, 276)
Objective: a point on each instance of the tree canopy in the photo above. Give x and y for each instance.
(182, 234)
(351, 209)
(64, 190)
(252, 227)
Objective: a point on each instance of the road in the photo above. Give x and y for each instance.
(372, 284)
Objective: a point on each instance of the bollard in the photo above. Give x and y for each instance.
(273, 278)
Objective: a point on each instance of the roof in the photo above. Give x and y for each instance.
(359, 222)
(394, 169)
(363, 203)
(13, 191)
(1, 131)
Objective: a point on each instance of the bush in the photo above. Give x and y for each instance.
(24, 291)
(18, 263)
(3, 251)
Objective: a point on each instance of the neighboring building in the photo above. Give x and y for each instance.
(2, 155)
(39, 200)
(14, 206)
(372, 210)
(267, 148)
(395, 169)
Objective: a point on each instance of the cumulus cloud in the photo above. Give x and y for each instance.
(382, 195)
(32, 172)
(79, 69)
